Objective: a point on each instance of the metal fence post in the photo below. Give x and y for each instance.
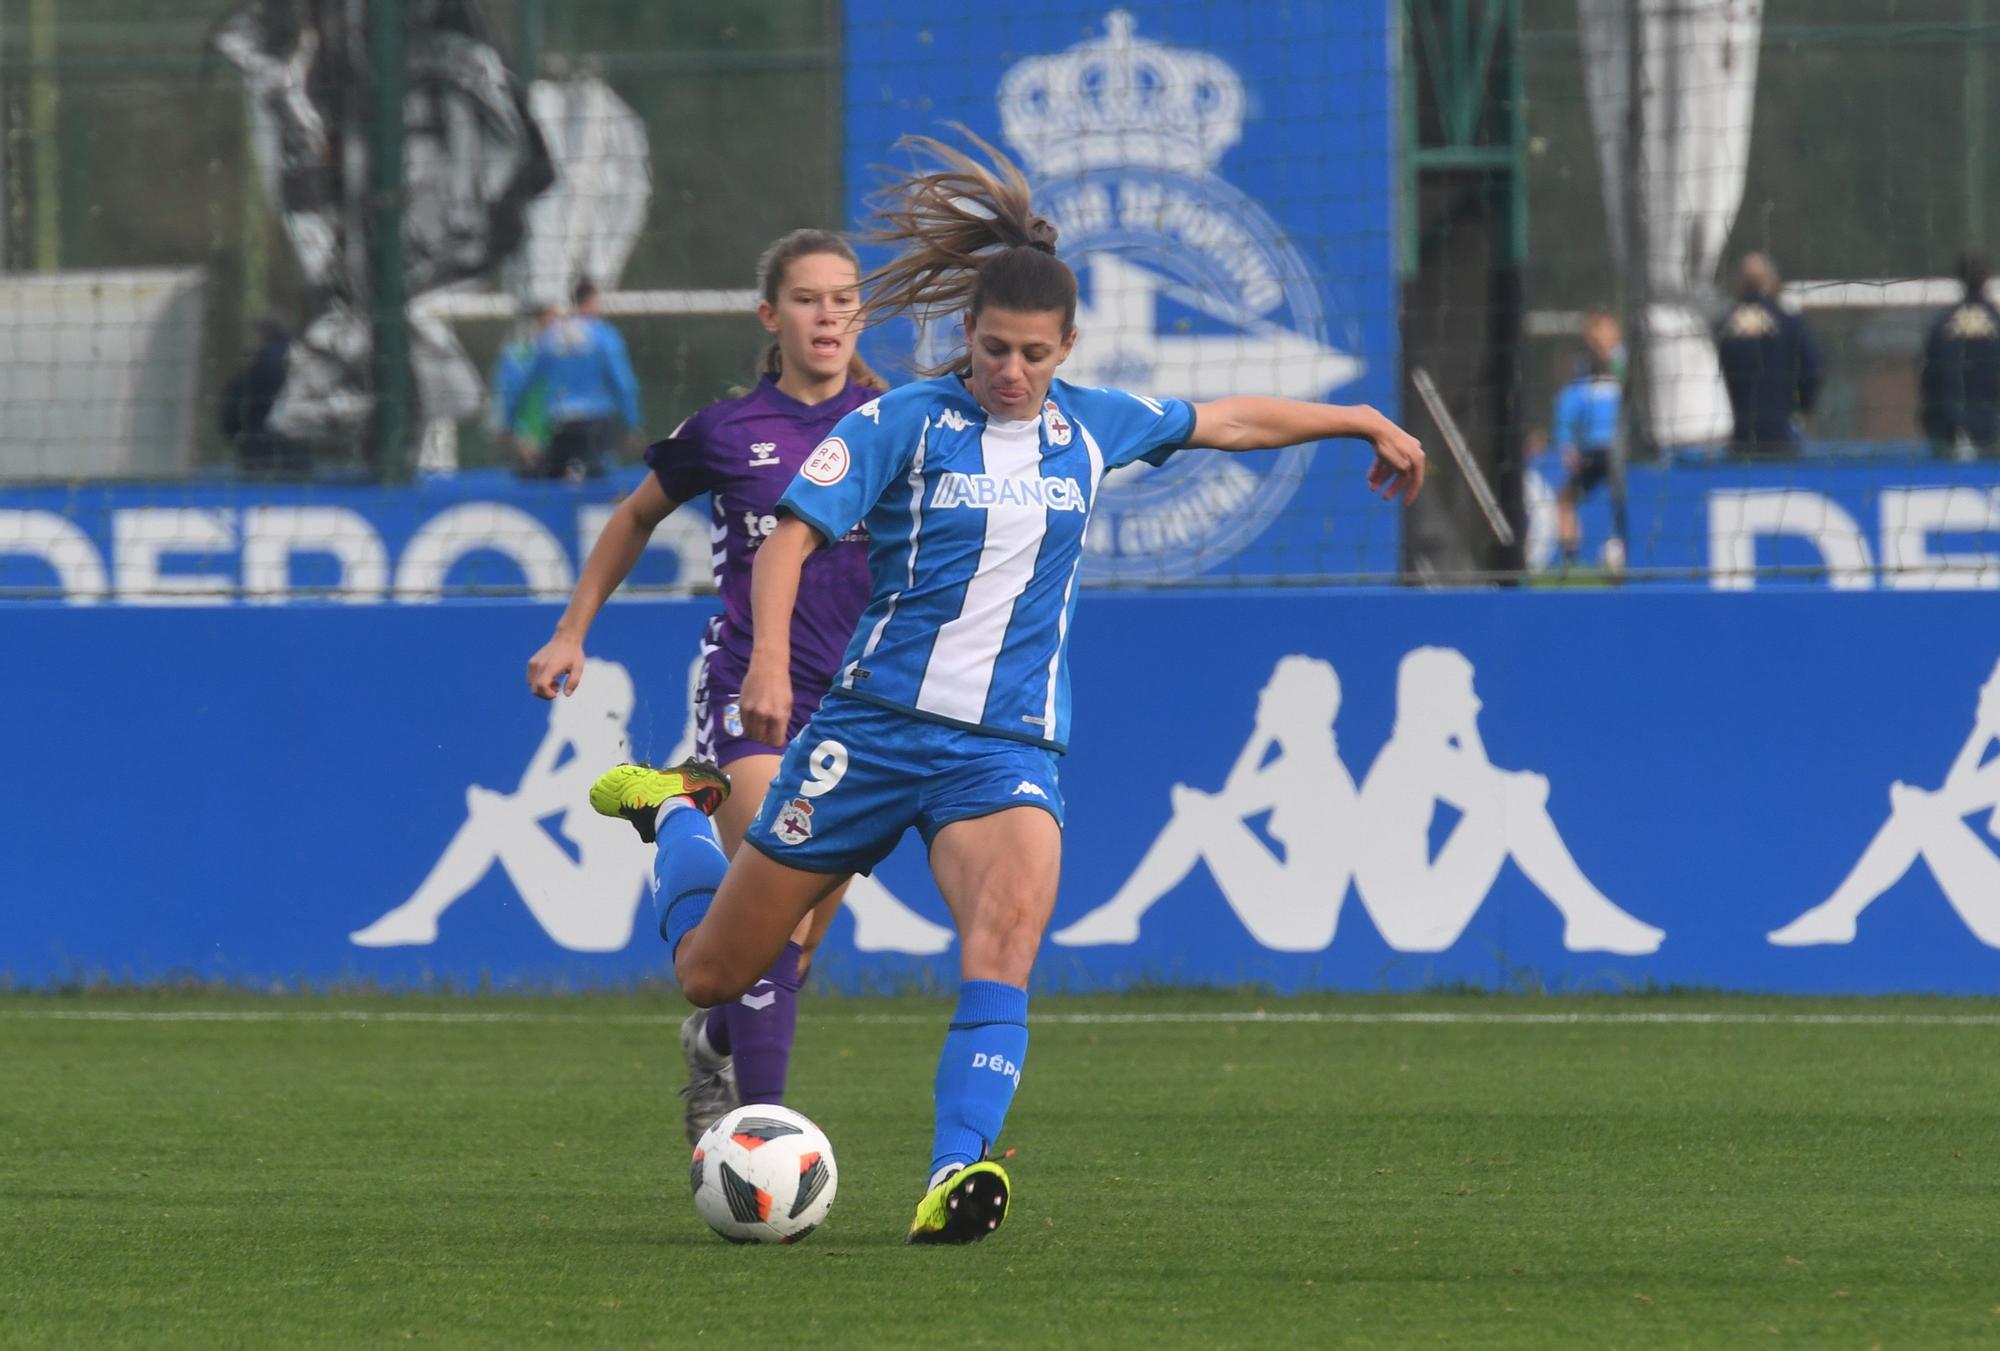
(389, 425)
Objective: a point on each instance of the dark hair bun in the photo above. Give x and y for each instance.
(1042, 234)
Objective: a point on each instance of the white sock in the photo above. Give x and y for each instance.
(943, 1173)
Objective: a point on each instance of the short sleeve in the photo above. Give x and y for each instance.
(1131, 427)
(681, 462)
(848, 472)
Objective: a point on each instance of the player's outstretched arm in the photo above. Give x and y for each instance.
(1245, 422)
(559, 663)
(774, 591)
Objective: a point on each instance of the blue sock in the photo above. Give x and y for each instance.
(978, 1071)
(686, 871)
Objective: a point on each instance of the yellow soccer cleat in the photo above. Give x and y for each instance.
(964, 1208)
(635, 792)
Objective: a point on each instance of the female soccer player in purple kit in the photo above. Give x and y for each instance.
(743, 452)
(953, 702)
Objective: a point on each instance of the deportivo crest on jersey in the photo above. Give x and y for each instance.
(1056, 423)
(827, 465)
(987, 491)
(795, 822)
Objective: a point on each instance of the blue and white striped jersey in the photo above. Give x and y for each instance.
(976, 533)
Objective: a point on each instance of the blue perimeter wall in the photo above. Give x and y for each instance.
(228, 792)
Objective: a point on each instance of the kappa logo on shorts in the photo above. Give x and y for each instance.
(1030, 789)
(1055, 422)
(827, 465)
(795, 822)
(732, 718)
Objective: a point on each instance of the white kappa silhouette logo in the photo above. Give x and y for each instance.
(589, 903)
(586, 904)
(1932, 825)
(1378, 835)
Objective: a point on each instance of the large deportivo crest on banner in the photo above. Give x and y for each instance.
(1190, 290)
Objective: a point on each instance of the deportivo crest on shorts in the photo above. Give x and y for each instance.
(795, 822)
(1057, 424)
(732, 718)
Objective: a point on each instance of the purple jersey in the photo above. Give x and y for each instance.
(743, 452)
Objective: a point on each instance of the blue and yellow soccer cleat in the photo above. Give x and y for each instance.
(635, 792)
(964, 1208)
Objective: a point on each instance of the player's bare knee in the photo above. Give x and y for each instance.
(705, 979)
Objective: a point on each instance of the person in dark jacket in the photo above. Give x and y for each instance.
(1961, 382)
(247, 402)
(1770, 362)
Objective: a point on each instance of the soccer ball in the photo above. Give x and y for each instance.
(763, 1174)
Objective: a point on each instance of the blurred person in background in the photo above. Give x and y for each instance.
(592, 394)
(1961, 377)
(523, 439)
(1770, 362)
(1583, 433)
(247, 402)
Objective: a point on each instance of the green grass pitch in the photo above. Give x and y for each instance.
(324, 1175)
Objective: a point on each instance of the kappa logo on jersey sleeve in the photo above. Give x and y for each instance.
(872, 410)
(827, 465)
(982, 491)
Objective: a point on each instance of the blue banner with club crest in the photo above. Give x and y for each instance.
(1222, 180)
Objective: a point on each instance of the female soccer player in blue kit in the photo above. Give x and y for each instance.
(953, 700)
(743, 452)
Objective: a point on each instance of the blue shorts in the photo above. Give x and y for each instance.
(859, 775)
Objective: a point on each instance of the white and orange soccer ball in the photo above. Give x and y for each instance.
(763, 1174)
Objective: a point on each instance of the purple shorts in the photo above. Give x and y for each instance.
(718, 717)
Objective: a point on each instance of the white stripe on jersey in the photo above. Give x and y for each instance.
(960, 673)
(1062, 624)
(916, 480)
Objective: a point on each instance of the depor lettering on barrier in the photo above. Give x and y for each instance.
(1931, 825)
(1909, 520)
(215, 555)
(1377, 836)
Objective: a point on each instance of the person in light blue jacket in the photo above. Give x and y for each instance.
(583, 370)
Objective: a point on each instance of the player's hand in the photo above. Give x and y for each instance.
(558, 666)
(1399, 462)
(766, 703)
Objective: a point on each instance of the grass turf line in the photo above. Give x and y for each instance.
(1207, 1184)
